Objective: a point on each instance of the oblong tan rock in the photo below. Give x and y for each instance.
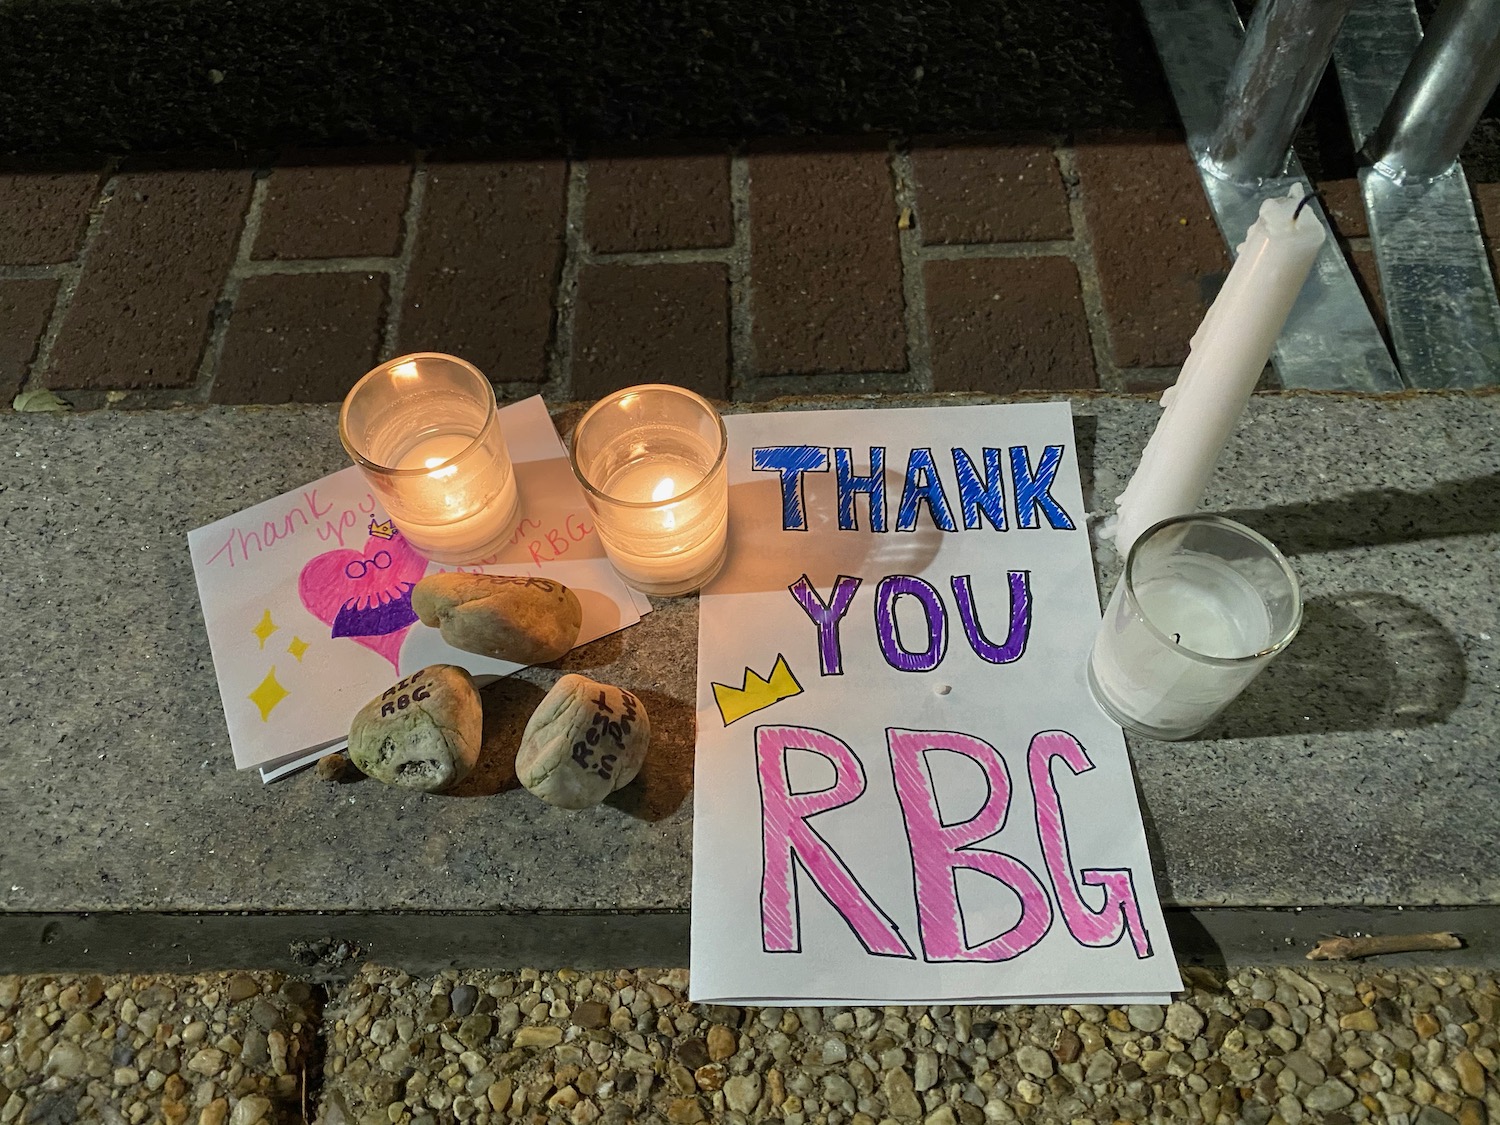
(584, 741)
(517, 618)
(422, 733)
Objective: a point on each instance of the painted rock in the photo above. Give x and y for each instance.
(521, 619)
(583, 742)
(422, 733)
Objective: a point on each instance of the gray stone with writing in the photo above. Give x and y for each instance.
(422, 733)
(522, 619)
(583, 742)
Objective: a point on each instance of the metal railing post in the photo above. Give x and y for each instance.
(1285, 52)
(1330, 342)
(1451, 77)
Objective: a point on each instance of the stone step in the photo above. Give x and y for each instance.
(1362, 769)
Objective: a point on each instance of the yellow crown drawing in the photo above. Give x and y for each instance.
(757, 694)
(382, 530)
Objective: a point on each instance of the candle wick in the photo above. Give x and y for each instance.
(1306, 199)
(1176, 638)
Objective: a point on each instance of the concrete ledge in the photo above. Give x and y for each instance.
(331, 947)
(1362, 770)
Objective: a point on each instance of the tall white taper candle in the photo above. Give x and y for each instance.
(1228, 353)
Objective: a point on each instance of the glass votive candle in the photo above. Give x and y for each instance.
(651, 460)
(425, 431)
(1203, 605)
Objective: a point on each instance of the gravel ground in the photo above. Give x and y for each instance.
(1263, 1046)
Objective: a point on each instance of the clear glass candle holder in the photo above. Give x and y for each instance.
(425, 431)
(1203, 605)
(651, 460)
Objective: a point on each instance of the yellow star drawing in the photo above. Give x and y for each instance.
(265, 628)
(297, 648)
(267, 695)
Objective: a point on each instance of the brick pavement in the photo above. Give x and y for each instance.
(998, 263)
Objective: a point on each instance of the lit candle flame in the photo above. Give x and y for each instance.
(439, 473)
(665, 489)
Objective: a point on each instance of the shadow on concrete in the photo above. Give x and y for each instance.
(1085, 441)
(896, 552)
(508, 703)
(666, 776)
(589, 658)
(1380, 516)
(1363, 660)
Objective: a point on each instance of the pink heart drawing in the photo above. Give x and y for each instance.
(365, 595)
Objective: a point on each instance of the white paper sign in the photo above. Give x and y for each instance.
(307, 597)
(904, 790)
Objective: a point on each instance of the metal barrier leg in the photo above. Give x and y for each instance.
(1452, 75)
(1330, 342)
(1434, 270)
(1285, 52)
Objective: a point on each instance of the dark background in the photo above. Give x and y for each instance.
(89, 76)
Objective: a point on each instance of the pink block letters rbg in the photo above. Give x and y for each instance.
(938, 850)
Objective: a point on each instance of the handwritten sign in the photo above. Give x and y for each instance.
(307, 597)
(904, 790)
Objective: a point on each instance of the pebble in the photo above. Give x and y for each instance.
(249, 1110)
(537, 1037)
(1184, 1020)
(742, 1092)
(1145, 1017)
(1470, 1074)
(668, 1060)
(722, 1043)
(1067, 1046)
(525, 620)
(1362, 1020)
(585, 740)
(462, 999)
(693, 1053)
(423, 732)
(1034, 1061)
(1331, 1095)
(590, 1015)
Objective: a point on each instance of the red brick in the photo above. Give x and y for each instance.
(488, 254)
(24, 309)
(1159, 255)
(334, 208)
(825, 265)
(971, 192)
(666, 202)
(1007, 324)
(652, 324)
(1345, 207)
(300, 337)
(43, 214)
(141, 314)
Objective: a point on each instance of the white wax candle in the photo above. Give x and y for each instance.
(667, 542)
(453, 513)
(1202, 607)
(1228, 353)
